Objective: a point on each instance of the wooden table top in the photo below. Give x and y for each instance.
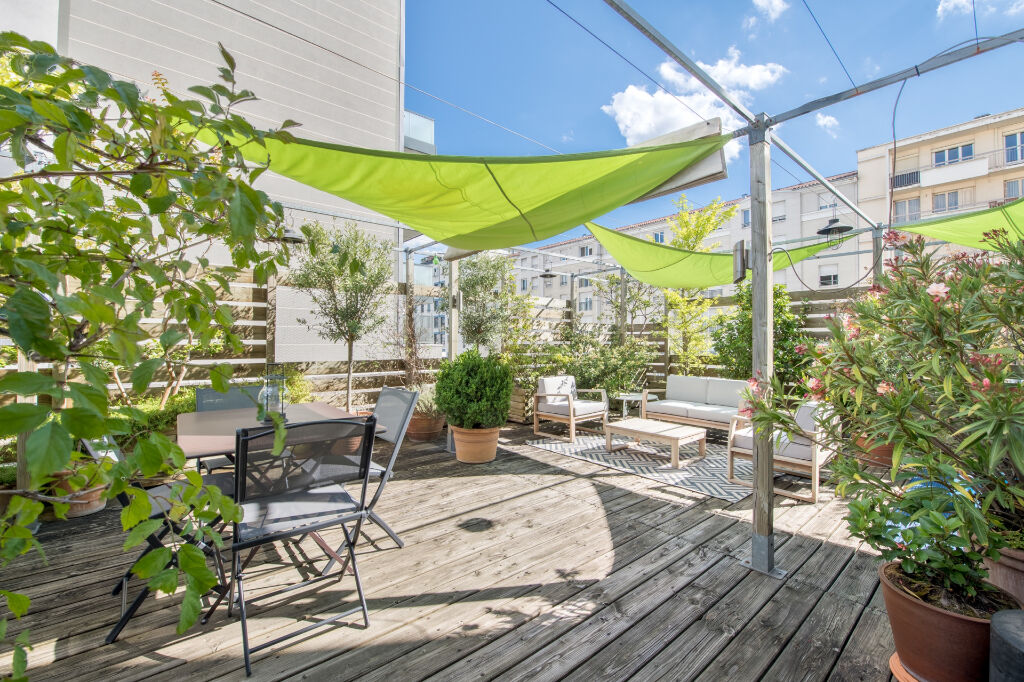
(205, 434)
(652, 427)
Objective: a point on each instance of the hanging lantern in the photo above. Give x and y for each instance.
(833, 232)
(273, 396)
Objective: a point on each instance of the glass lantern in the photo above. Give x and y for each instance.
(273, 396)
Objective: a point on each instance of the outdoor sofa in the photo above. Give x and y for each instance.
(698, 401)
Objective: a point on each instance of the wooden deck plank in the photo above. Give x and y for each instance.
(534, 566)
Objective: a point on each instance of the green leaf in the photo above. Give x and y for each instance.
(10, 119)
(41, 272)
(152, 562)
(28, 383)
(165, 581)
(150, 458)
(21, 417)
(48, 450)
(138, 534)
(16, 603)
(98, 78)
(171, 337)
(139, 508)
(28, 317)
(142, 375)
(161, 203)
(65, 148)
(140, 184)
(220, 376)
(228, 59)
(204, 91)
(190, 609)
(83, 422)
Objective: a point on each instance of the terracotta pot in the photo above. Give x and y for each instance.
(1008, 572)
(879, 456)
(935, 645)
(423, 428)
(90, 503)
(475, 446)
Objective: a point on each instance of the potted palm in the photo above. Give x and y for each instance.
(473, 392)
(952, 500)
(428, 419)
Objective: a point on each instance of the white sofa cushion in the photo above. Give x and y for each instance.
(558, 384)
(712, 413)
(784, 447)
(689, 389)
(725, 392)
(744, 438)
(675, 408)
(580, 407)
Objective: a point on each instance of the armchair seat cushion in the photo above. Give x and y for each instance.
(712, 413)
(784, 447)
(743, 438)
(675, 408)
(580, 407)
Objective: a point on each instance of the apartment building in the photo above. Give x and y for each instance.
(956, 169)
(798, 212)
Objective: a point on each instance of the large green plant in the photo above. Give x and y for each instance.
(954, 414)
(614, 366)
(104, 224)
(474, 392)
(492, 312)
(732, 336)
(348, 275)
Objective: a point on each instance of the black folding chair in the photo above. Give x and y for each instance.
(208, 400)
(394, 410)
(299, 493)
(159, 499)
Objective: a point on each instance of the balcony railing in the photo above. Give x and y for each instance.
(928, 215)
(997, 158)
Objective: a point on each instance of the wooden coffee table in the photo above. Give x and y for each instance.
(657, 432)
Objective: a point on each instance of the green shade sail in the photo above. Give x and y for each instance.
(969, 229)
(480, 202)
(671, 268)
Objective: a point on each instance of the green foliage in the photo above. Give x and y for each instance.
(492, 312)
(348, 274)
(474, 392)
(149, 416)
(644, 309)
(110, 194)
(300, 389)
(426, 402)
(954, 413)
(615, 367)
(732, 337)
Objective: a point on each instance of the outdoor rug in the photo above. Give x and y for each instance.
(651, 460)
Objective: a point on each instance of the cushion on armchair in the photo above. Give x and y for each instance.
(558, 384)
(580, 407)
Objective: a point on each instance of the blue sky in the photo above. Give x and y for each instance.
(526, 66)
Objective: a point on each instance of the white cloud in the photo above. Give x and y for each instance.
(641, 114)
(772, 9)
(568, 137)
(950, 7)
(750, 22)
(1016, 8)
(827, 123)
(823, 80)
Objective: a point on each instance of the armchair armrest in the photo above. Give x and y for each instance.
(604, 394)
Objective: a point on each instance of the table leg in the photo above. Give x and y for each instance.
(702, 446)
(607, 440)
(675, 454)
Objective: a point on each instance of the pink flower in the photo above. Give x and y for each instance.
(821, 347)
(853, 333)
(747, 412)
(986, 384)
(755, 386)
(815, 388)
(885, 387)
(894, 239)
(800, 348)
(938, 291)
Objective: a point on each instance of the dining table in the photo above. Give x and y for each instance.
(212, 432)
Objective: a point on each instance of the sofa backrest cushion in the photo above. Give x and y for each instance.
(689, 389)
(725, 392)
(559, 384)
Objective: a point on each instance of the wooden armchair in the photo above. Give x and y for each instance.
(556, 400)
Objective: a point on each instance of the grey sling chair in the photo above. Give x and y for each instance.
(105, 448)
(209, 400)
(299, 493)
(394, 410)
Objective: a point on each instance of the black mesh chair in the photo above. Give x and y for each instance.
(394, 410)
(297, 493)
(236, 398)
(160, 503)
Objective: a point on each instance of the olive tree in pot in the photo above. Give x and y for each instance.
(428, 420)
(953, 497)
(473, 392)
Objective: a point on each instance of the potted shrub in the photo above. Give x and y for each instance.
(953, 498)
(428, 419)
(473, 392)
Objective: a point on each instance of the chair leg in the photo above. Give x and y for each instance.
(572, 427)
(127, 615)
(387, 529)
(241, 609)
(359, 583)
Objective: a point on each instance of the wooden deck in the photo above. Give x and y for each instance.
(534, 567)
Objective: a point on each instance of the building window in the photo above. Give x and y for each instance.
(586, 304)
(533, 283)
(524, 285)
(562, 258)
(906, 211)
(945, 201)
(944, 157)
(564, 280)
(826, 201)
(584, 282)
(1012, 188)
(746, 217)
(778, 211)
(586, 251)
(659, 237)
(533, 262)
(1014, 147)
(828, 275)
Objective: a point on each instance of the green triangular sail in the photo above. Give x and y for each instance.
(671, 268)
(481, 202)
(969, 229)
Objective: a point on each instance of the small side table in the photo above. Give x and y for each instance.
(628, 398)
